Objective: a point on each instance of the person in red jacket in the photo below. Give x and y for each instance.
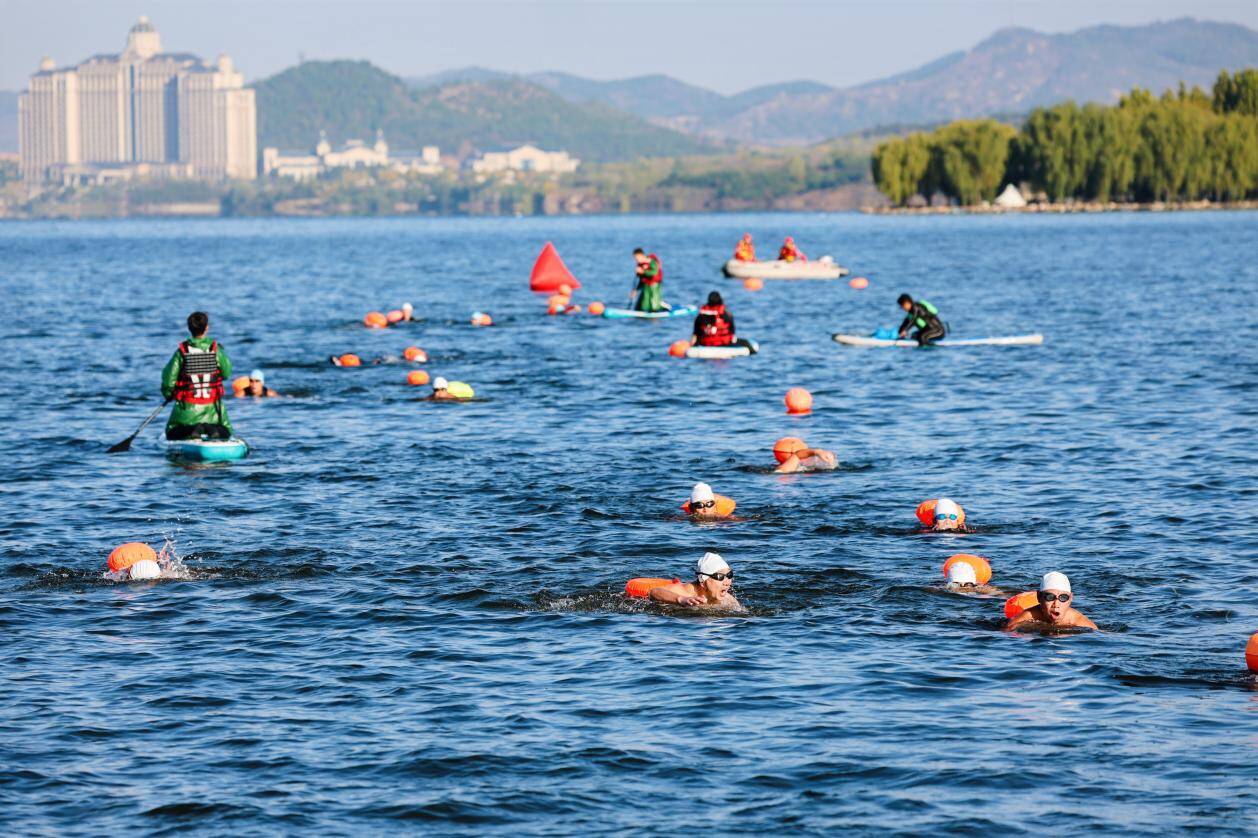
(714, 326)
(745, 251)
(791, 253)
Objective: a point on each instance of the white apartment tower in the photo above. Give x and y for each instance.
(143, 109)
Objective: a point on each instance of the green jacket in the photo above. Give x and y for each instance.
(195, 414)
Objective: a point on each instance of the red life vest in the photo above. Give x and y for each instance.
(717, 332)
(745, 252)
(200, 381)
(659, 277)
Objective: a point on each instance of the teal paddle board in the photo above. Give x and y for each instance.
(206, 450)
(620, 313)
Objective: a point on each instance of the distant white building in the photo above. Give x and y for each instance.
(355, 154)
(524, 158)
(1011, 198)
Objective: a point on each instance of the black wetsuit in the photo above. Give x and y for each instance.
(929, 327)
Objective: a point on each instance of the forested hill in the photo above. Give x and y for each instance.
(353, 99)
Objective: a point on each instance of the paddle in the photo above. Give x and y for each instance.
(125, 445)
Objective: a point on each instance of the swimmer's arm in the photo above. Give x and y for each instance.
(1083, 622)
(1020, 620)
(789, 465)
(676, 594)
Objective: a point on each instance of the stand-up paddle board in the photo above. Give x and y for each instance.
(618, 313)
(206, 450)
(1015, 340)
(733, 351)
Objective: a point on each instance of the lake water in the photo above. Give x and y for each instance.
(401, 615)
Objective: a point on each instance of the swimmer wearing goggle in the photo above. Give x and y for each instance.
(706, 504)
(948, 516)
(963, 580)
(1054, 607)
(711, 588)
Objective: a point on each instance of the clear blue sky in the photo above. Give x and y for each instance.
(726, 45)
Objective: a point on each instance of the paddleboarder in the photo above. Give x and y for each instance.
(649, 290)
(714, 326)
(194, 378)
(924, 317)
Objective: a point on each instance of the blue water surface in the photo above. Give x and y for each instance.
(401, 615)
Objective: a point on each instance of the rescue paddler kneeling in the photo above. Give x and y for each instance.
(194, 378)
(714, 326)
(924, 317)
(711, 588)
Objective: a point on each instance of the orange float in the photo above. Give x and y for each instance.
(859, 282)
(724, 506)
(416, 377)
(414, 353)
(786, 446)
(982, 569)
(240, 383)
(349, 359)
(926, 512)
(597, 309)
(125, 555)
(798, 401)
(480, 318)
(375, 320)
(678, 348)
(752, 283)
(395, 316)
(1018, 603)
(1251, 653)
(641, 586)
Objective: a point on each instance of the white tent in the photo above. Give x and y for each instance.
(1011, 197)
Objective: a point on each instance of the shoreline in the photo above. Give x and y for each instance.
(1067, 207)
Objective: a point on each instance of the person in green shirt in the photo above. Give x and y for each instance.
(650, 282)
(194, 378)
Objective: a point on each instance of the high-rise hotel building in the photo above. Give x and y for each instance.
(142, 111)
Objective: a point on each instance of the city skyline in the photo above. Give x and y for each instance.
(841, 44)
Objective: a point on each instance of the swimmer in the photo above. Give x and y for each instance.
(706, 504)
(808, 459)
(713, 580)
(440, 389)
(256, 386)
(963, 580)
(948, 516)
(1054, 609)
(408, 312)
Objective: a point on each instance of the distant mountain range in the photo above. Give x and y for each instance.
(1010, 72)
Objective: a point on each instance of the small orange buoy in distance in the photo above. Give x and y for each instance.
(786, 446)
(416, 377)
(125, 555)
(414, 353)
(375, 320)
(982, 569)
(395, 316)
(349, 359)
(597, 309)
(752, 283)
(678, 348)
(859, 282)
(798, 401)
(1018, 603)
(1251, 653)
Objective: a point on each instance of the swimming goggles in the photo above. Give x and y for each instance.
(1047, 597)
(720, 577)
(947, 517)
(702, 504)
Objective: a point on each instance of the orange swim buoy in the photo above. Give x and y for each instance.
(414, 353)
(1018, 603)
(240, 383)
(926, 512)
(416, 377)
(125, 555)
(752, 283)
(859, 282)
(724, 506)
(1251, 653)
(786, 446)
(597, 309)
(395, 316)
(375, 320)
(480, 318)
(349, 359)
(678, 348)
(798, 401)
(982, 569)
(641, 586)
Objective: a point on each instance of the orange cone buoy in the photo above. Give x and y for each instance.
(597, 309)
(678, 348)
(982, 568)
(752, 283)
(1251, 653)
(416, 377)
(550, 273)
(859, 282)
(798, 401)
(375, 320)
(414, 353)
(125, 555)
(786, 446)
(395, 316)
(349, 359)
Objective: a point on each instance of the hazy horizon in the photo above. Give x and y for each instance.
(840, 44)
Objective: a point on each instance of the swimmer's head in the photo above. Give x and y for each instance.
(947, 515)
(961, 574)
(145, 569)
(790, 240)
(439, 384)
(713, 575)
(258, 376)
(1053, 587)
(714, 299)
(407, 309)
(746, 237)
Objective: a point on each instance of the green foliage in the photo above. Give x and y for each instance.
(1184, 145)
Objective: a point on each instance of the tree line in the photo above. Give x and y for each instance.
(1185, 145)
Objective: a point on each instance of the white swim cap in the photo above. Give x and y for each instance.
(145, 569)
(711, 563)
(701, 493)
(407, 307)
(440, 383)
(944, 506)
(1055, 581)
(258, 375)
(961, 573)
